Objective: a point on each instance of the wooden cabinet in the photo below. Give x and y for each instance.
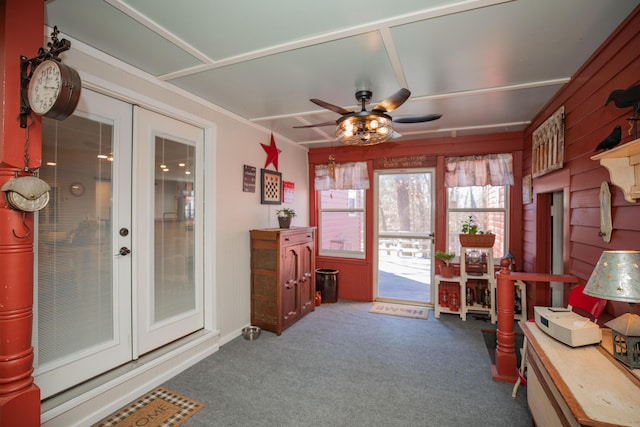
(282, 276)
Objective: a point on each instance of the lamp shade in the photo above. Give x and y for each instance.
(616, 277)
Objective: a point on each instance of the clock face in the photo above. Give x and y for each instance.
(54, 90)
(44, 87)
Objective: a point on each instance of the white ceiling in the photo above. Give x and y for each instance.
(486, 65)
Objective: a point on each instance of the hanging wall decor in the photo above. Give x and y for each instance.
(527, 190)
(249, 179)
(272, 153)
(548, 145)
(288, 191)
(271, 185)
(606, 226)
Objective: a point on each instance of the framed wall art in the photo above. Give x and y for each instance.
(249, 179)
(271, 187)
(548, 145)
(527, 190)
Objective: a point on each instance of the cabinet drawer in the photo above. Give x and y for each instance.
(295, 238)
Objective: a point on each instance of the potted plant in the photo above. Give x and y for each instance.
(446, 270)
(284, 217)
(473, 237)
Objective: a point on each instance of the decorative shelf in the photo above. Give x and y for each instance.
(623, 163)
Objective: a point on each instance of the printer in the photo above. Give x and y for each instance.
(566, 326)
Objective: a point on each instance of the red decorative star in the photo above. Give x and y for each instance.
(272, 153)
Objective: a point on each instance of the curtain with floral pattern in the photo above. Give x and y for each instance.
(342, 176)
(490, 169)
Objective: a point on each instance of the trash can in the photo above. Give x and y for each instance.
(327, 284)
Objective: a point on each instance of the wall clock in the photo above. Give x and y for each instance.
(54, 90)
(77, 189)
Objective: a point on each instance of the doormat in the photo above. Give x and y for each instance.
(401, 310)
(159, 408)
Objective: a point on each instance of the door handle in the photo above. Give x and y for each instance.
(124, 251)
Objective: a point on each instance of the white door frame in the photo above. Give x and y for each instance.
(377, 173)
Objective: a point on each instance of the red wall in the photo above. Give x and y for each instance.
(355, 277)
(615, 65)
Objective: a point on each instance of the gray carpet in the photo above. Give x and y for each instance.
(343, 366)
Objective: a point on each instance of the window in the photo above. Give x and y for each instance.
(341, 223)
(487, 205)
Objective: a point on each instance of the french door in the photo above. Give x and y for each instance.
(168, 220)
(83, 295)
(405, 209)
(118, 261)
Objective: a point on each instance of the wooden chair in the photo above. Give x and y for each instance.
(579, 302)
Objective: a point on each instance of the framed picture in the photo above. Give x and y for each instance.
(271, 187)
(527, 190)
(547, 151)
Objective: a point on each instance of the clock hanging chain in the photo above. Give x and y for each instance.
(27, 156)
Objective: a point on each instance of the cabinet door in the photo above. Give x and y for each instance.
(306, 281)
(290, 303)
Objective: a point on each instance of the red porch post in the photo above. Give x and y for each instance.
(21, 33)
(505, 367)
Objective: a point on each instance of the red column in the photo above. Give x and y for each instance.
(21, 33)
(505, 367)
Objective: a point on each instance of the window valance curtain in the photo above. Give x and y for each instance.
(347, 176)
(491, 169)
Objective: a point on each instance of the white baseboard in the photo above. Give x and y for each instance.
(96, 399)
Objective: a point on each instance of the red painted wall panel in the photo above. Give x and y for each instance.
(615, 65)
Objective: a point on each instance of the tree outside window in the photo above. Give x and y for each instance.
(487, 205)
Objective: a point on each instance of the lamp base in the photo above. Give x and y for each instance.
(625, 338)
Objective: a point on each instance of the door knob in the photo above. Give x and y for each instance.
(124, 250)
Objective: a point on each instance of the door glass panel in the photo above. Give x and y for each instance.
(174, 225)
(82, 306)
(167, 195)
(405, 207)
(75, 293)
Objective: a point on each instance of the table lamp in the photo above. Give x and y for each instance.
(616, 277)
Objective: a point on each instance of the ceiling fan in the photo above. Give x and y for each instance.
(369, 127)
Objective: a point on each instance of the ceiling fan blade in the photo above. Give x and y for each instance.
(393, 102)
(416, 119)
(331, 107)
(331, 123)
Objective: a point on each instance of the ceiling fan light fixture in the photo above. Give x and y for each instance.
(370, 129)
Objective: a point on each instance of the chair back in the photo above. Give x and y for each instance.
(592, 305)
